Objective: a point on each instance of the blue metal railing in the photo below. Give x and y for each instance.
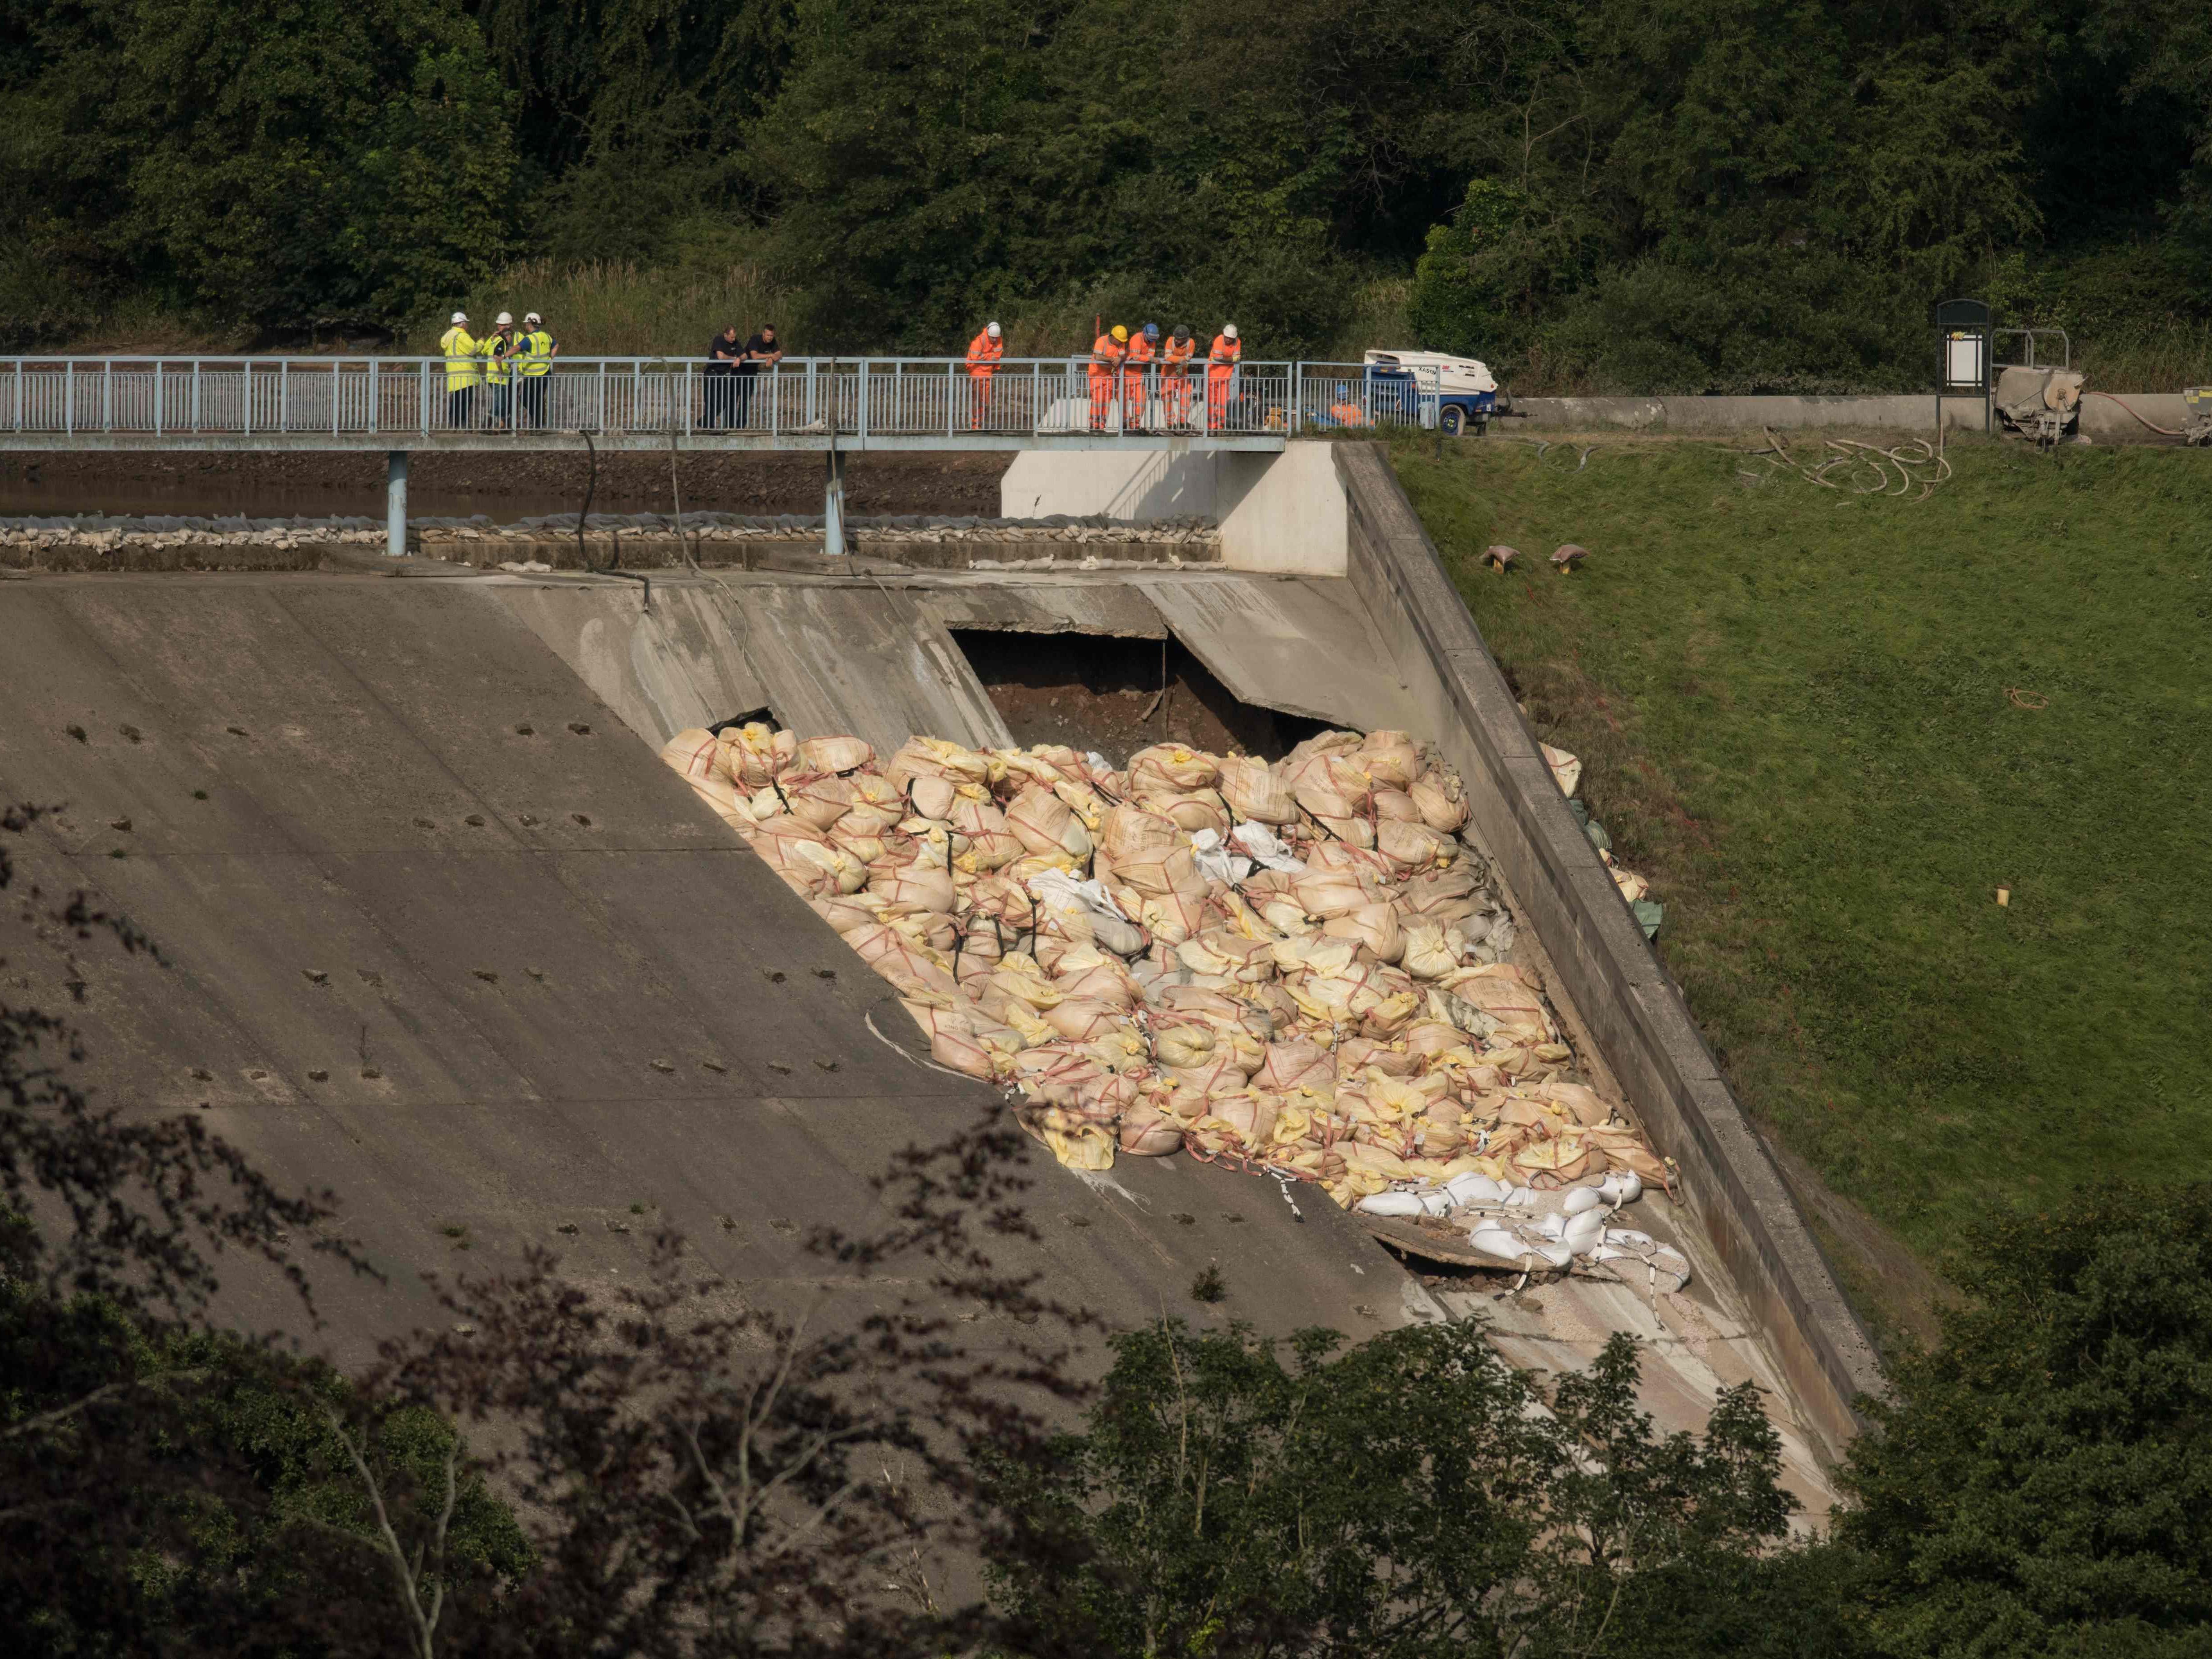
(887, 397)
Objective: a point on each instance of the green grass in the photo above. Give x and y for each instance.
(1794, 708)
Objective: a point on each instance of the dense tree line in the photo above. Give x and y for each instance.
(1672, 193)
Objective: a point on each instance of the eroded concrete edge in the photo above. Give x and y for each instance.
(1605, 968)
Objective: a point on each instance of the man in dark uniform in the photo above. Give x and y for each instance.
(722, 354)
(761, 352)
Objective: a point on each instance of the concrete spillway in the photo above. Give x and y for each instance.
(432, 946)
(446, 937)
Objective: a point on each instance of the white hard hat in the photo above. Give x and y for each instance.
(460, 316)
(1228, 330)
(505, 320)
(532, 317)
(991, 329)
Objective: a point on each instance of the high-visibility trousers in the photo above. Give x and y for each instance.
(1217, 376)
(979, 394)
(1101, 396)
(1132, 396)
(1175, 395)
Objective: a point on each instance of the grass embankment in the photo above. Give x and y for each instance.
(1830, 728)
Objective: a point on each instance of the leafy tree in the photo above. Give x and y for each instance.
(2038, 1483)
(1410, 1496)
(323, 161)
(631, 119)
(190, 1490)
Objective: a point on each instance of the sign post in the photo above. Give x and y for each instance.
(1963, 335)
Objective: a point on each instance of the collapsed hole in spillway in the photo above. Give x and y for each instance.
(1103, 692)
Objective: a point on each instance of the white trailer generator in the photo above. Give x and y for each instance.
(1466, 395)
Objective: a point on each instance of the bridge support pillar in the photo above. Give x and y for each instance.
(833, 507)
(395, 503)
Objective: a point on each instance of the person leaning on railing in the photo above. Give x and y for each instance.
(761, 352)
(1143, 345)
(1106, 354)
(495, 349)
(1175, 375)
(462, 371)
(983, 354)
(534, 353)
(1221, 362)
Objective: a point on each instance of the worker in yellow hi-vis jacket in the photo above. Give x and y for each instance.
(497, 348)
(462, 372)
(534, 353)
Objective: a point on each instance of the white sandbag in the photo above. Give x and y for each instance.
(1473, 1187)
(1131, 831)
(1214, 859)
(834, 755)
(1265, 848)
(1046, 825)
(1442, 799)
(1396, 804)
(1374, 926)
(730, 804)
(820, 801)
(1621, 1187)
(690, 753)
(1201, 809)
(1352, 832)
(1566, 770)
(932, 797)
(756, 755)
(1391, 759)
(933, 758)
(1428, 954)
(1414, 846)
(1168, 769)
(1330, 785)
(1256, 790)
(1406, 1204)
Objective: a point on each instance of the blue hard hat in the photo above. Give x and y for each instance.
(1151, 331)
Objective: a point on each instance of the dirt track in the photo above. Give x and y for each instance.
(503, 486)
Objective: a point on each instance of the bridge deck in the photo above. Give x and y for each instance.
(403, 403)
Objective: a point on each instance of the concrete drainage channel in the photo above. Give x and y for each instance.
(1325, 605)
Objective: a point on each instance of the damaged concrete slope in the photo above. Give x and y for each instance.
(444, 937)
(474, 968)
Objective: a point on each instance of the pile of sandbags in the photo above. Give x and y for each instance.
(1567, 773)
(1297, 966)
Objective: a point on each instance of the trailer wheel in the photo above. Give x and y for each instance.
(1453, 420)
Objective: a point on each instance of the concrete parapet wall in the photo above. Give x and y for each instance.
(2102, 417)
(1282, 514)
(1604, 971)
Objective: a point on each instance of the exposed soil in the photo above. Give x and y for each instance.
(1090, 692)
(502, 486)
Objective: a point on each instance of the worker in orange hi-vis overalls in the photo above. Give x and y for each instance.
(1144, 346)
(1175, 376)
(1221, 376)
(983, 354)
(1106, 354)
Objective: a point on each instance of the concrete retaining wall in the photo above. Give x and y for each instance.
(1281, 514)
(1603, 967)
(2102, 418)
